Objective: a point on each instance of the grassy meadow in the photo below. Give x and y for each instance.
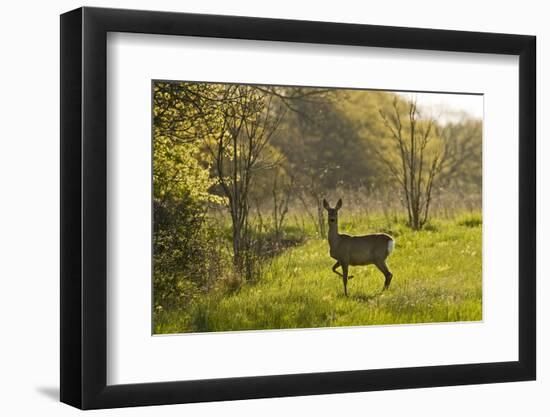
(437, 278)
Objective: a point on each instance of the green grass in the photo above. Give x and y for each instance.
(437, 278)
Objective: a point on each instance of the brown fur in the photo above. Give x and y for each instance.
(357, 250)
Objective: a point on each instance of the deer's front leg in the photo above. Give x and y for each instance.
(345, 279)
(336, 265)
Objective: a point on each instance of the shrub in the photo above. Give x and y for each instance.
(470, 220)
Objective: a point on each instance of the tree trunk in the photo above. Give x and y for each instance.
(321, 218)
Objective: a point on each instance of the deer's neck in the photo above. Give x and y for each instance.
(333, 236)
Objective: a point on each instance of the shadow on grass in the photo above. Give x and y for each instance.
(365, 298)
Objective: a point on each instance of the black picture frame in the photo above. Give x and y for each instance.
(84, 207)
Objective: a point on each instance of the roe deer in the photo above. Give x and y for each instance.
(357, 250)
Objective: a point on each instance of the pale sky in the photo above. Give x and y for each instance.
(448, 106)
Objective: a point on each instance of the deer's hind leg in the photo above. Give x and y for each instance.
(387, 273)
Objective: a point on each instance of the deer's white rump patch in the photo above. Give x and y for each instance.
(391, 245)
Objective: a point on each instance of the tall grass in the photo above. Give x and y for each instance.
(437, 278)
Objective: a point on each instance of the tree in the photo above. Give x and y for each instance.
(421, 154)
(281, 192)
(184, 112)
(239, 149)
(323, 151)
(181, 242)
(463, 146)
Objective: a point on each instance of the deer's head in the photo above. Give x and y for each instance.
(332, 212)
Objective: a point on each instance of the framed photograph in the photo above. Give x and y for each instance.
(258, 208)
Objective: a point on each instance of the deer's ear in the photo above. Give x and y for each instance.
(325, 204)
(338, 204)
